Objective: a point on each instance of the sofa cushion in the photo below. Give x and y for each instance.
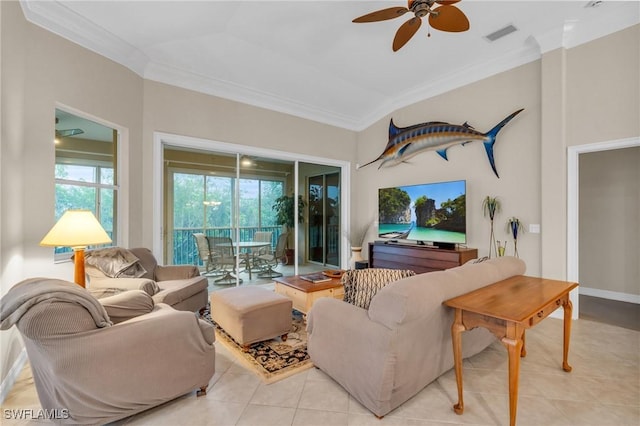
(361, 285)
(412, 297)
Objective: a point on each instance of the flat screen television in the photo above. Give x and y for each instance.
(430, 212)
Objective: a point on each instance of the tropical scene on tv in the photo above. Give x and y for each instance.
(431, 212)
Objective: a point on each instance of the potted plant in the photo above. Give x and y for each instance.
(491, 206)
(515, 227)
(284, 208)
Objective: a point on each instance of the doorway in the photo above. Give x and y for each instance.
(324, 218)
(265, 173)
(580, 236)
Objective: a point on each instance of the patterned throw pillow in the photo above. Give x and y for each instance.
(360, 285)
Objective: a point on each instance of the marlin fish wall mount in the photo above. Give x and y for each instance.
(405, 142)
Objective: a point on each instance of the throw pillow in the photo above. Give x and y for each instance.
(361, 285)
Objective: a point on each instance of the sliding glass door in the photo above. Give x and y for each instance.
(324, 205)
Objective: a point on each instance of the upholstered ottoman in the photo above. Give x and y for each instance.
(251, 314)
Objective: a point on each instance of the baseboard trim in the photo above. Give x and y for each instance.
(13, 374)
(612, 295)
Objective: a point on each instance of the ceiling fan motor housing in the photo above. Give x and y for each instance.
(421, 8)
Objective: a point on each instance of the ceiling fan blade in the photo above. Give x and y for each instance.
(382, 15)
(449, 18)
(447, 1)
(405, 32)
(68, 132)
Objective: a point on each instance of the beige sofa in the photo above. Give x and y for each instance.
(179, 286)
(385, 355)
(95, 362)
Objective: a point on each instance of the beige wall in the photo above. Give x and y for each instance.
(571, 97)
(610, 220)
(38, 70)
(517, 155)
(173, 110)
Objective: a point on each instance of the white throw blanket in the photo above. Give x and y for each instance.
(24, 295)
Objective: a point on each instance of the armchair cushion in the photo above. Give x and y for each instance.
(127, 305)
(360, 285)
(100, 282)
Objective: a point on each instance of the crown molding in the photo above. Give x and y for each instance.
(63, 21)
(55, 17)
(456, 79)
(168, 74)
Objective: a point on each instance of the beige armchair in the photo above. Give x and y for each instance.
(179, 286)
(94, 372)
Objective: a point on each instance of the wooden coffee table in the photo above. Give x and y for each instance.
(507, 308)
(305, 293)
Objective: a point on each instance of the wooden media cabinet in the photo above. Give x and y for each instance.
(418, 258)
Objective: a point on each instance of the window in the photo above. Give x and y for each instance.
(205, 203)
(85, 171)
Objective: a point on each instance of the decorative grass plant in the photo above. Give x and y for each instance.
(515, 227)
(491, 206)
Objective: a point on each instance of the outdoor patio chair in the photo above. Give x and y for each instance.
(269, 261)
(225, 258)
(208, 257)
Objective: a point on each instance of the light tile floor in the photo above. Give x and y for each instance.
(603, 389)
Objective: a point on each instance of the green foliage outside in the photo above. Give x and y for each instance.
(450, 214)
(393, 203)
(202, 201)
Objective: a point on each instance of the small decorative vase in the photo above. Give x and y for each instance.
(356, 256)
(501, 248)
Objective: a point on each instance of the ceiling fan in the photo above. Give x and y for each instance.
(444, 17)
(67, 132)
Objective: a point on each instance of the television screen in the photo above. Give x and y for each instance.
(433, 212)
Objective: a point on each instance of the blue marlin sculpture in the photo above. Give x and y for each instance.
(405, 142)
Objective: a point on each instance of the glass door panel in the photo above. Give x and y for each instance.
(322, 192)
(263, 185)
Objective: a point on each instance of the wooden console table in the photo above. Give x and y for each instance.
(507, 308)
(419, 259)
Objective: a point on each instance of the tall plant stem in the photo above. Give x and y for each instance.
(492, 242)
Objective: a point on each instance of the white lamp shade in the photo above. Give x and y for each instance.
(76, 228)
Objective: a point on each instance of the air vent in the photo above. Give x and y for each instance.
(501, 33)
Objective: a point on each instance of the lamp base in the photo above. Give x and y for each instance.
(78, 260)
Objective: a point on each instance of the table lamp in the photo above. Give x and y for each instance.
(76, 229)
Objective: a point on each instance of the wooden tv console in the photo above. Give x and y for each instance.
(418, 258)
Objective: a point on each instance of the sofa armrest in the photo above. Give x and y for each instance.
(127, 305)
(176, 272)
(356, 352)
(148, 286)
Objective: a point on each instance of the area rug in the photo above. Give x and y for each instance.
(271, 360)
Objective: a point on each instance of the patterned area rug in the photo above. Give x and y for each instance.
(271, 360)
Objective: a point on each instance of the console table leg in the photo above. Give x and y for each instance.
(456, 336)
(568, 309)
(513, 342)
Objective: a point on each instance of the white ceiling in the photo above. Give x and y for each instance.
(308, 59)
